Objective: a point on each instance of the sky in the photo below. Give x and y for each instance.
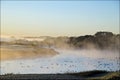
(58, 18)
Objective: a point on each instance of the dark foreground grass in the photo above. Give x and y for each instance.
(88, 75)
(109, 76)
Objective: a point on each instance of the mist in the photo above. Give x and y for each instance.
(49, 55)
(65, 62)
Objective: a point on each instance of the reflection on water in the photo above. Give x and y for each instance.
(66, 61)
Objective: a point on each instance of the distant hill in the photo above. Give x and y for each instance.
(100, 40)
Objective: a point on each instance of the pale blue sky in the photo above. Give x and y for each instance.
(58, 18)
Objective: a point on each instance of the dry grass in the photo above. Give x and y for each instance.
(26, 52)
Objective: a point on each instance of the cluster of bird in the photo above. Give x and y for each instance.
(73, 66)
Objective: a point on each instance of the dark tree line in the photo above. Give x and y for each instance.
(101, 40)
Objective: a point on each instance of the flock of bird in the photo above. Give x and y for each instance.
(69, 65)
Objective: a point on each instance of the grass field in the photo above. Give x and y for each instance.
(88, 75)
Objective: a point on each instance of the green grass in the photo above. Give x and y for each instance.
(109, 76)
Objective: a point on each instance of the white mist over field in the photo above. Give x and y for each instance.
(13, 38)
(66, 61)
